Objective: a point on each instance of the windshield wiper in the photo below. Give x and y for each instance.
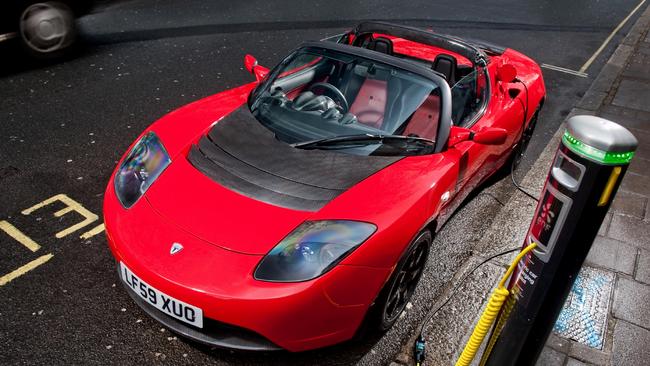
(365, 139)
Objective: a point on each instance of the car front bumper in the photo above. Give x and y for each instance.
(239, 311)
(213, 333)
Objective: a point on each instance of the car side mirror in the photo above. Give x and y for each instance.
(487, 136)
(250, 63)
(506, 73)
(491, 136)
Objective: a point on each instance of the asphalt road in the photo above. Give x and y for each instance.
(64, 125)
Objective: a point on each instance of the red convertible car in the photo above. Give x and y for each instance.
(291, 212)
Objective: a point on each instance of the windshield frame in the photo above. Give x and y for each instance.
(444, 125)
(484, 103)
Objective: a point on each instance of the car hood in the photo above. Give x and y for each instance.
(240, 188)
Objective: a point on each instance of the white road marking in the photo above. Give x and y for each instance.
(609, 38)
(564, 70)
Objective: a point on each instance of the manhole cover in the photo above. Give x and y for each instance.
(584, 315)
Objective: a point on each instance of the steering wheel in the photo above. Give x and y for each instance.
(343, 102)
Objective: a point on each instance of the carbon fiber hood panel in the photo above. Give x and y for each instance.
(244, 156)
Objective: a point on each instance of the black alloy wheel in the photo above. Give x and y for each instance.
(520, 151)
(404, 280)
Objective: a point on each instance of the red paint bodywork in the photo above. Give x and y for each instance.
(226, 234)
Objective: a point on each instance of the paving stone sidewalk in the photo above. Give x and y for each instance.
(621, 93)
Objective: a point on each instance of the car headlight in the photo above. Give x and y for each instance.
(312, 249)
(140, 168)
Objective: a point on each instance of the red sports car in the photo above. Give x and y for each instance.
(291, 212)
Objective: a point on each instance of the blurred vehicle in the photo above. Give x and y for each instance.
(46, 29)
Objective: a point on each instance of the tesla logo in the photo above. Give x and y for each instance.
(176, 247)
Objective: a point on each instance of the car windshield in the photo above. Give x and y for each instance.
(324, 99)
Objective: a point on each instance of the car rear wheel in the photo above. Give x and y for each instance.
(47, 29)
(397, 292)
(522, 146)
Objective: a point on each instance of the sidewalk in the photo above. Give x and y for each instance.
(607, 318)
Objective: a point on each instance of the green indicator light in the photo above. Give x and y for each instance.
(609, 158)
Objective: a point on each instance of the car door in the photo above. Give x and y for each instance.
(494, 104)
(469, 103)
(470, 100)
(505, 110)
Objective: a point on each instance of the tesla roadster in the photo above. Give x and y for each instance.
(294, 211)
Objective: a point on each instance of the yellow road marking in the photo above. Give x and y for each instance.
(24, 269)
(48, 201)
(72, 205)
(90, 233)
(63, 211)
(19, 236)
(609, 38)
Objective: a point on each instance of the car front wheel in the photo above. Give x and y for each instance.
(397, 292)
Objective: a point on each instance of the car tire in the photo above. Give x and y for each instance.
(522, 145)
(397, 292)
(46, 29)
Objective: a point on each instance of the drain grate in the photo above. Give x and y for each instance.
(584, 315)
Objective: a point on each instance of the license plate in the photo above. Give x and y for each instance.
(165, 303)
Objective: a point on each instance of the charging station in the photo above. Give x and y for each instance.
(581, 184)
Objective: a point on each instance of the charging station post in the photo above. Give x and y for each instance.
(586, 172)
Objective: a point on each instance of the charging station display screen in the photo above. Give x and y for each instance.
(567, 171)
(571, 169)
(547, 217)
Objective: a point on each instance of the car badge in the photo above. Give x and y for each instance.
(176, 247)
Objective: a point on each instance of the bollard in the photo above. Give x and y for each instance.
(586, 172)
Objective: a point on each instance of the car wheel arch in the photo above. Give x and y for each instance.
(368, 325)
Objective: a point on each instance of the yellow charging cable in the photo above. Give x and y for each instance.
(490, 313)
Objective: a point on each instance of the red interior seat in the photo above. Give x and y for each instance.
(424, 121)
(370, 104)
